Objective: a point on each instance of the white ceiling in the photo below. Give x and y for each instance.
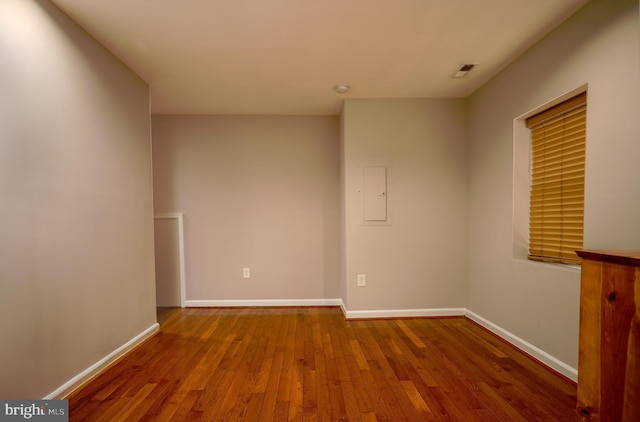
(285, 56)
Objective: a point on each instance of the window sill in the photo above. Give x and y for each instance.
(564, 267)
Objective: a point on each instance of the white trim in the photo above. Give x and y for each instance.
(540, 355)
(183, 282)
(582, 89)
(76, 382)
(528, 348)
(266, 302)
(344, 308)
(403, 313)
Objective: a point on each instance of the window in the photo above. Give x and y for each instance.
(556, 207)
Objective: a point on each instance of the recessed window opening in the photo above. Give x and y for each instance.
(556, 207)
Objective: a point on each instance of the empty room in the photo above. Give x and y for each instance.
(337, 210)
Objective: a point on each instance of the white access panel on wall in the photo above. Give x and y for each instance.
(375, 193)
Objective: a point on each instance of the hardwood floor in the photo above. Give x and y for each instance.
(264, 364)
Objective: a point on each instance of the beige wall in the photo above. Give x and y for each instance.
(76, 242)
(256, 191)
(282, 195)
(417, 258)
(598, 46)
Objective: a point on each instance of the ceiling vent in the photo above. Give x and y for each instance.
(462, 70)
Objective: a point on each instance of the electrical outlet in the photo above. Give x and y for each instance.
(246, 273)
(362, 280)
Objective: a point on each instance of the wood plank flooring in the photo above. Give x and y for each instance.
(308, 364)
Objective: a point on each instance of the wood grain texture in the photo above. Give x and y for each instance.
(631, 407)
(308, 364)
(608, 366)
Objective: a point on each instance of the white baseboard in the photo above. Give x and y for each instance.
(404, 313)
(84, 376)
(266, 302)
(528, 348)
(344, 308)
(538, 354)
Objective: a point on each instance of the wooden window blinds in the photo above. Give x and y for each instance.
(556, 213)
